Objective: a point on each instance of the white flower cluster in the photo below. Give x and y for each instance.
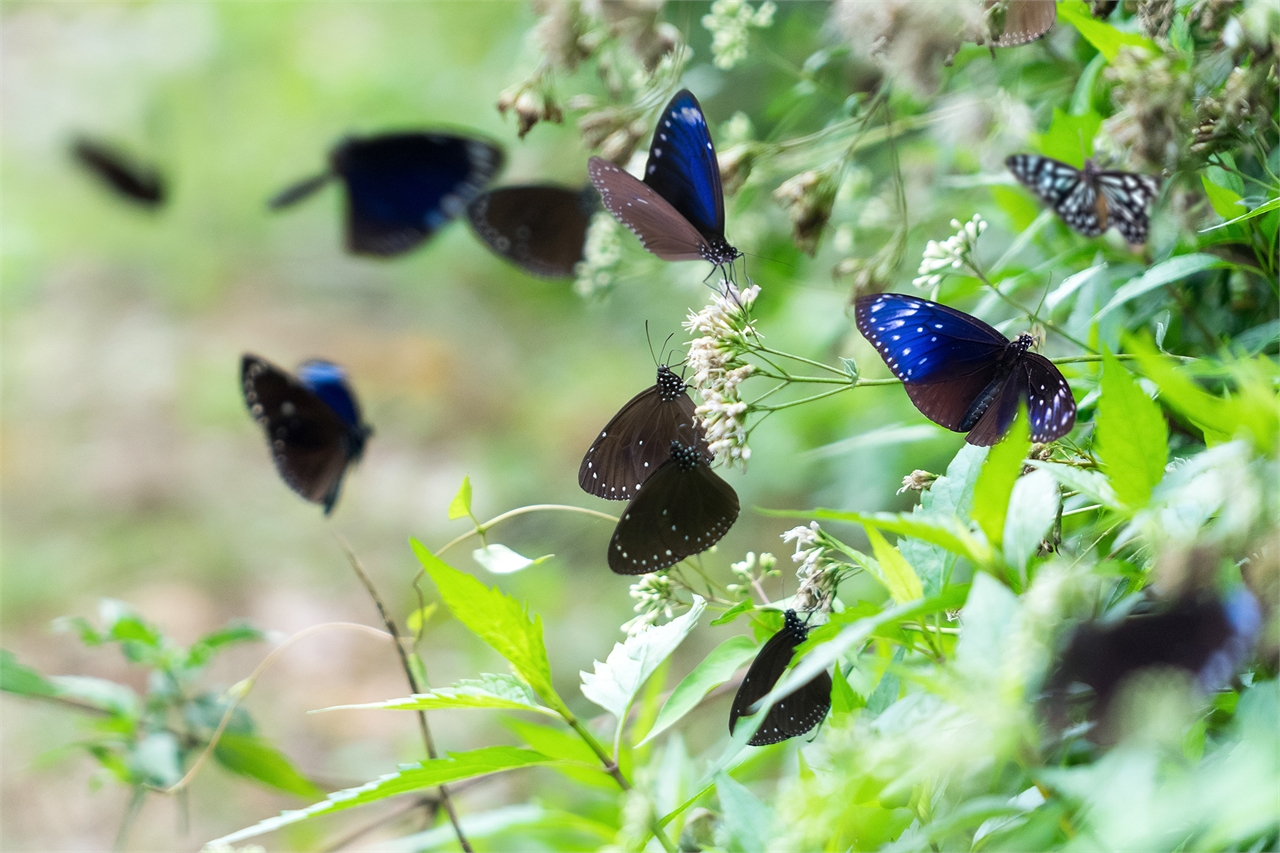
(718, 369)
(818, 571)
(728, 23)
(952, 253)
(655, 596)
(600, 254)
(745, 571)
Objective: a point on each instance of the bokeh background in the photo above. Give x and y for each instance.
(132, 471)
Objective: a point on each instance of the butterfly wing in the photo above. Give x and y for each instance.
(129, 179)
(310, 444)
(1050, 404)
(1025, 21)
(540, 228)
(661, 228)
(402, 188)
(682, 166)
(794, 714)
(677, 513)
(1064, 188)
(1128, 199)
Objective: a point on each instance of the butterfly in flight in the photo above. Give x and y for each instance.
(540, 228)
(1089, 200)
(794, 714)
(1020, 21)
(402, 187)
(312, 422)
(637, 440)
(125, 176)
(681, 510)
(963, 374)
(677, 211)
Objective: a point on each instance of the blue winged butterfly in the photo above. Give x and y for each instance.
(312, 422)
(1090, 200)
(794, 714)
(963, 374)
(677, 211)
(637, 440)
(540, 228)
(127, 177)
(682, 509)
(402, 187)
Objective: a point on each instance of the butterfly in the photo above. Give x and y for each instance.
(677, 211)
(1020, 21)
(637, 440)
(402, 187)
(794, 714)
(962, 373)
(128, 178)
(681, 510)
(1089, 199)
(312, 422)
(540, 228)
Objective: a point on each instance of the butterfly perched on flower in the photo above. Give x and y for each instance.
(312, 422)
(677, 211)
(963, 374)
(402, 187)
(126, 176)
(540, 228)
(1090, 200)
(682, 509)
(793, 714)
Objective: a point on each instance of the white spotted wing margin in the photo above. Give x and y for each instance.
(794, 714)
(653, 219)
(1090, 200)
(682, 510)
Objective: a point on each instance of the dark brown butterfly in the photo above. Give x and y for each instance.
(794, 714)
(128, 178)
(312, 422)
(638, 439)
(1020, 21)
(540, 228)
(963, 374)
(681, 510)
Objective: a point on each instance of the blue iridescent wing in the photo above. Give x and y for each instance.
(402, 188)
(682, 166)
(1065, 189)
(1128, 199)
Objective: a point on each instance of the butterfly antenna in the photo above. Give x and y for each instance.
(649, 340)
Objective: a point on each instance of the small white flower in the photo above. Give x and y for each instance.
(819, 571)
(716, 361)
(655, 596)
(954, 253)
(728, 23)
(600, 254)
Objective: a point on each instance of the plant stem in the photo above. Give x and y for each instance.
(130, 815)
(801, 358)
(481, 529)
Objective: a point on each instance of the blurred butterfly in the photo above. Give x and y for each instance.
(962, 373)
(402, 187)
(794, 714)
(128, 178)
(681, 510)
(312, 422)
(637, 440)
(1020, 21)
(1088, 199)
(1103, 8)
(677, 211)
(1207, 637)
(539, 228)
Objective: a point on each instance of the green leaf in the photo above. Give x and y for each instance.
(1132, 437)
(1167, 272)
(203, 649)
(747, 821)
(504, 692)
(497, 619)
(744, 606)
(154, 760)
(1018, 205)
(1106, 38)
(946, 532)
(1265, 207)
(118, 699)
(714, 670)
(1070, 137)
(995, 484)
(22, 680)
(887, 689)
(1092, 484)
(1033, 509)
(843, 698)
(576, 760)
(615, 682)
(250, 755)
(420, 617)
(986, 622)
(898, 576)
(501, 560)
(1226, 202)
(414, 777)
(460, 506)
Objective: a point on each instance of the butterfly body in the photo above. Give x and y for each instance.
(637, 440)
(540, 228)
(402, 187)
(677, 211)
(312, 422)
(682, 509)
(131, 180)
(1090, 200)
(963, 374)
(795, 714)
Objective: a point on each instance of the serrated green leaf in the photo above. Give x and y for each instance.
(995, 483)
(460, 506)
(415, 777)
(499, 620)
(1033, 509)
(715, 669)
(501, 560)
(22, 680)
(1132, 437)
(614, 683)
(1104, 37)
(843, 698)
(251, 756)
(898, 576)
(491, 690)
(1167, 272)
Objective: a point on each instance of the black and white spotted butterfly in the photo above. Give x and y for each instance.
(1089, 199)
(795, 714)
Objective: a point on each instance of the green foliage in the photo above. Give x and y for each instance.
(1132, 439)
